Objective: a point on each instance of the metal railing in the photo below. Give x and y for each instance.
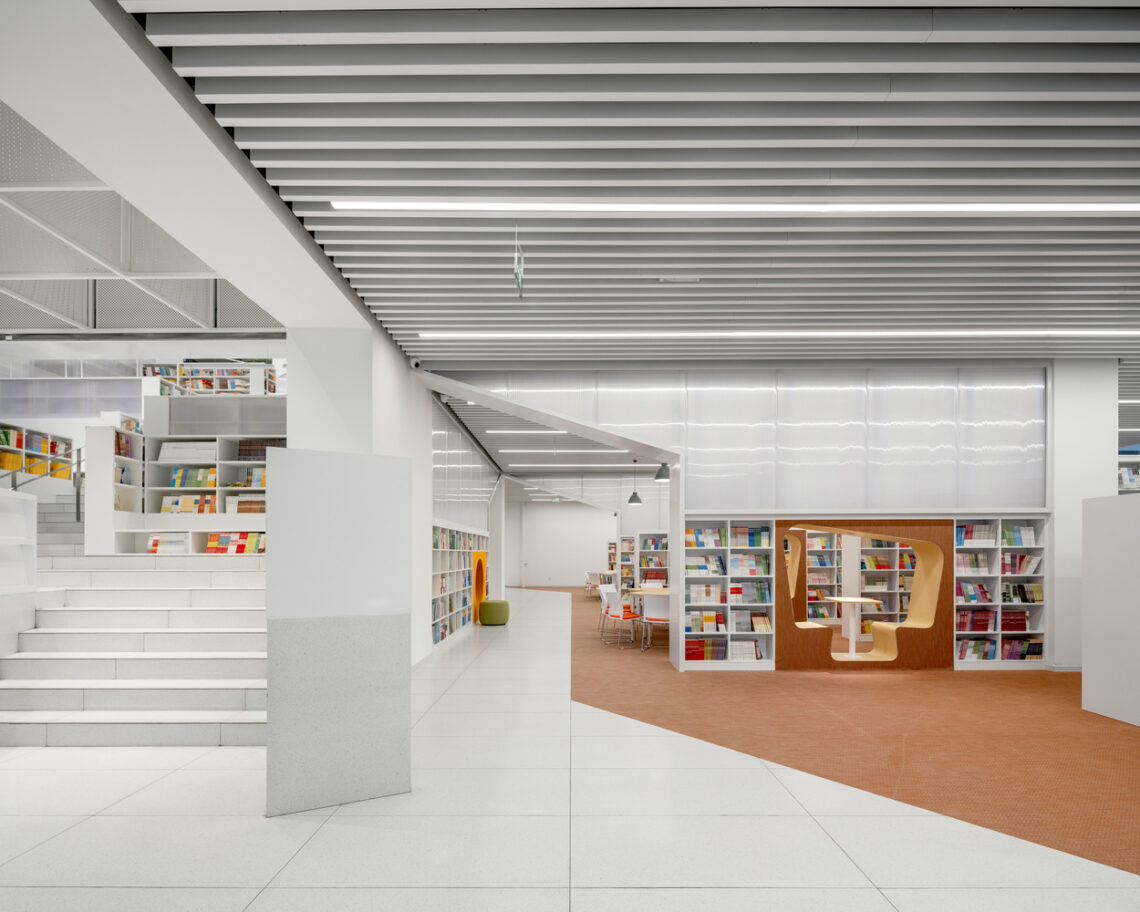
(54, 463)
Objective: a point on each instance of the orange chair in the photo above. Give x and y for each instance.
(617, 612)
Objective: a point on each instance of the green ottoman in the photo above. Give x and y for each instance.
(494, 612)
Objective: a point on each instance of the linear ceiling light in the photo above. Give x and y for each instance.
(521, 431)
(568, 465)
(975, 208)
(781, 334)
(567, 452)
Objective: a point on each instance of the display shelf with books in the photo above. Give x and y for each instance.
(823, 559)
(181, 494)
(727, 597)
(999, 592)
(31, 452)
(452, 579)
(1128, 473)
(611, 556)
(628, 555)
(652, 566)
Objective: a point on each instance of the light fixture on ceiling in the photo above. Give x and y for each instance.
(523, 431)
(789, 334)
(758, 208)
(634, 499)
(662, 473)
(566, 452)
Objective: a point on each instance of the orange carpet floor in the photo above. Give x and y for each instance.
(1009, 750)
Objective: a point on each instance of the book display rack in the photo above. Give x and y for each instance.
(728, 592)
(30, 451)
(652, 559)
(452, 579)
(628, 558)
(999, 592)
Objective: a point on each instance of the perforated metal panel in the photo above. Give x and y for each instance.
(26, 155)
(67, 297)
(153, 250)
(26, 250)
(236, 310)
(17, 315)
(190, 295)
(119, 305)
(90, 218)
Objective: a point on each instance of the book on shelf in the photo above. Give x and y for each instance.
(876, 581)
(1014, 620)
(907, 560)
(654, 543)
(819, 560)
(703, 593)
(703, 538)
(818, 611)
(820, 543)
(819, 579)
(1128, 477)
(874, 562)
(652, 560)
(168, 543)
(189, 503)
(704, 565)
(122, 444)
(977, 649)
(704, 621)
(1014, 564)
(194, 477)
(248, 503)
(751, 565)
(976, 620)
(971, 563)
(906, 583)
(980, 534)
(707, 650)
(1022, 593)
(750, 593)
(252, 449)
(1021, 649)
(175, 451)
(11, 461)
(654, 578)
(751, 537)
(1018, 536)
(815, 594)
(761, 623)
(971, 592)
(236, 543)
(744, 650)
(122, 474)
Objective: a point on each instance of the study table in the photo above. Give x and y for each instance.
(852, 615)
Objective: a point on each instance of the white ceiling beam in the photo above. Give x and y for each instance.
(623, 253)
(229, 6)
(527, 60)
(457, 115)
(625, 137)
(664, 87)
(141, 131)
(50, 186)
(622, 26)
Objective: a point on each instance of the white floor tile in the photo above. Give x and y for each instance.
(235, 758)
(357, 851)
(18, 834)
(1056, 900)
(822, 796)
(163, 852)
(198, 792)
(728, 900)
(491, 752)
(46, 792)
(410, 900)
(492, 724)
(475, 791)
(8, 754)
(105, 758)
(513, 684)
(592, 725)
(708, 852)
(673, 791)
(494, 703)
(122, 899)
(936, 851)
(664, 752)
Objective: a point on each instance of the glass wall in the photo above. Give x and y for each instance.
(462, 480)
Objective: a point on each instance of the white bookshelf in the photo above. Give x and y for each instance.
(453, 579)
(627, 559)
(886, 573)
(198, 378)
(729, 567)
(1128, 474)
(32, 452)
(995, 569)
(652, 567)
(125, 513)
(824, 575)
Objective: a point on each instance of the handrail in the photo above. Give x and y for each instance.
(75, 464)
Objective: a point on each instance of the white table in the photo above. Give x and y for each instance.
(852, 615)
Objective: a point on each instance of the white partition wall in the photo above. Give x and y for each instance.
(339, 602)
(1110, 678)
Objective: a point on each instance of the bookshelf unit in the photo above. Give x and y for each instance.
(452, 579)
(611, 555)
(29, 451)
(824, 579)
(886, 572)
(727, 600)
(628, 559)
(233, 378)
(652, 559)
(999, 592)
(178, 494)
(1128, 474)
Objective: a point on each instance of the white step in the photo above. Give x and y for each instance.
(136, 578)
(56, 551)
(136, 728)
(83, 561)
(169, 665)
(150, 617)
(164, 597)
(60, 519)
(59, 538)
(159, 639)
(114, 694)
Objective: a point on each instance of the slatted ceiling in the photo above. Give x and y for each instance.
(520, 102)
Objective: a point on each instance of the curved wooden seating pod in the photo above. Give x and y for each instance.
(924, 640)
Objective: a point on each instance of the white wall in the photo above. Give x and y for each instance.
(512, 545)
(1082, 465)
(560, 541)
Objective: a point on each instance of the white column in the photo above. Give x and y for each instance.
(1082, 451)
(329, 406)
(497, 541)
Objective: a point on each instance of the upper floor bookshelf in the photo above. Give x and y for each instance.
(31, 452)
(228, 378)
(452, 579)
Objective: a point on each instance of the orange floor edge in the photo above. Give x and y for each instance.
(1009, 750)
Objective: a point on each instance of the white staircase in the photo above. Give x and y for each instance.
(138, 649)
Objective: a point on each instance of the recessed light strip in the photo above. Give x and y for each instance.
(714, 208)
(521, 431)
(565, 452)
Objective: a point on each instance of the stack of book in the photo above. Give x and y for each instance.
(980, 534)
(744, 650)
(204, 477)
(704, 593)
(1019, 564)
(703, 538)
(906, 560)
(751, 537)
(189, 503)
(172, 451)
(980, 621)
(1020, 593)
(971, 592)
(977, 650)
(819, 560)
(703, 565)
(1018, 536)
(167, 543)
(751, 565)
(972, 563)
(698, 650)
(1021, 649)
(748, 593)
(236, 543)
(875, 562)
(704, 622)
(253, 450)
(876, 582)
(1014, 620)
